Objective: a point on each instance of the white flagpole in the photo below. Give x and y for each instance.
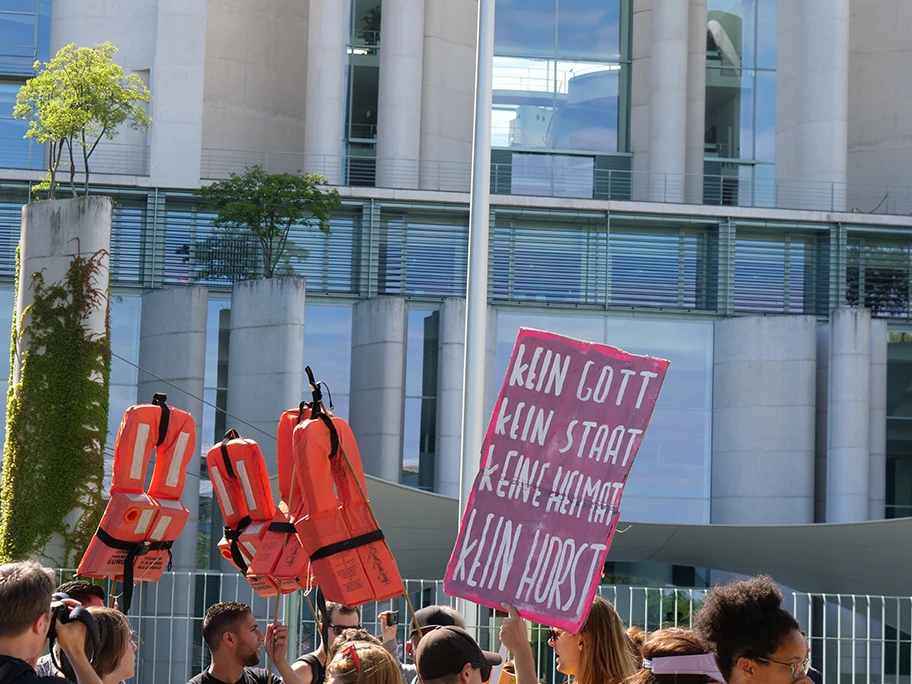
(477, 278)
(477, 281)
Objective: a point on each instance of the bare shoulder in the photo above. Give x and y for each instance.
(303, 669)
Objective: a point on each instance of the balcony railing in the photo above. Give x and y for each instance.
(574, 177)
(109, 157)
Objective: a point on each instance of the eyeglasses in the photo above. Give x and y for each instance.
(799, 669)
(553, 634)
(338, 629)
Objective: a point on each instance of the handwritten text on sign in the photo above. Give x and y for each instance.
(566, 427)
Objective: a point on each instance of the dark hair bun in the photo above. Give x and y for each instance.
(736, 607)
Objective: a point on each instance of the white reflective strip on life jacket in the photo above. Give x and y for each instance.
(245, 483)
(222, 494)
(174, 471)
(145, 519)
(159, 532)
(139, 450)
(251, 549)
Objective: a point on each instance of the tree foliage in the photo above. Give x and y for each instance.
(267, 205)
(78, 99)
(57, 418)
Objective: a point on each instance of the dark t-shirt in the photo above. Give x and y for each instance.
(20, 672)
(252, 675)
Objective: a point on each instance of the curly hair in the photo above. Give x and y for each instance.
(744, 619)
(671, 642)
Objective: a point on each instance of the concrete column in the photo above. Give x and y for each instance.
(450, 379)
(377, 394)
(668, 65)
(177, 93)
(696, 102)
(877, 449)
(639, 98)
(763, 420)
(849, 416)
(172, 345)
(820, 442)
(324, 105)
(812, 91)
(265, 357)
(399, 99)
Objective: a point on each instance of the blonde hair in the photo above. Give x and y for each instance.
(369, 664)
(666, 643)
(608, 654)
(114, 637)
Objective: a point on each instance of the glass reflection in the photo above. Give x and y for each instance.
(730, 28)
(525, 27)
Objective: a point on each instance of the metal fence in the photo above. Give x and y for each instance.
(109, 157)
(574, 176)
(854, 639)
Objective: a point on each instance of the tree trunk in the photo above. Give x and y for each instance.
(72, 169)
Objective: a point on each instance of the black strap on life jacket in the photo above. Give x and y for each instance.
(223, 447)
(283, 527)
(232, 535)
(317, 411)
(347, 544)
(134, 550)
(161, 400)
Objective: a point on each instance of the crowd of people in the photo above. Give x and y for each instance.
(741, 635)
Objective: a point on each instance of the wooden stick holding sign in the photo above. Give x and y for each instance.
(566, 427)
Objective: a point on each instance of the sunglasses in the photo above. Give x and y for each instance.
(338, 629)
(799, 669)
(553, 635)
(485, 672)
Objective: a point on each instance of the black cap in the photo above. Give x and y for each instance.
(432, 616)
(446, 650)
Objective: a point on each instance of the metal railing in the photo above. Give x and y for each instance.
(575, 176)
(854, 639)
(109, 157)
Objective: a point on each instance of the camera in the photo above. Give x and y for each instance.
(62, 613)
(392, 618)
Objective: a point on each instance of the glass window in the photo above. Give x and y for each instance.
(327, 350)
(17, 29)
(552, 175)
(525, 27)
(420, 424)
(18, 6)
(730, 29)
(670, 479)
(125, 319)
(899, 420)
(589, 29)
(765, 125)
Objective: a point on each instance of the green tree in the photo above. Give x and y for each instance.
(79, 98)
(268, 205)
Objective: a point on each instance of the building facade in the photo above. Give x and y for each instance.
(723, 183)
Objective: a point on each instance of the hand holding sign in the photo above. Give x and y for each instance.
(565, 430)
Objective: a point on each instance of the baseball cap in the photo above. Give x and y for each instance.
(446, 650)
(432, 616)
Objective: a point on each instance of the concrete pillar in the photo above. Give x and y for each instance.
(324, 105)
(668, 65)
(177, 93)
(172, 345)
(399, 98)
(763, 420)
(377, 394)
(849, 416)
(812, 91)
(696, 102)
(450, 379)
(877, 449)
(641, 44)
(52, 233)
(265, 357)
(820, 441)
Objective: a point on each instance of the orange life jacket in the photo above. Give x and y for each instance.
(241, 484)
(280, 556)
(350, 560)
(137, 530)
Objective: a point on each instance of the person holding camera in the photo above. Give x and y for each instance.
(88, 595)
(25, 594)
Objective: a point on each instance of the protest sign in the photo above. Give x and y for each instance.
(544, 506)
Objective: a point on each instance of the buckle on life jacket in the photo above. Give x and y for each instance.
(232, 535)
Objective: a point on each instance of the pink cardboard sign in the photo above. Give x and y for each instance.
(544, 506)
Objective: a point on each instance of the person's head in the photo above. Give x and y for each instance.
(350, 636)
(86, 593)
(232, 633)
(675, 656)
(115, 659)
(362, 662)
(428, 618)
(756, 641)
(602, 653)
(338, 618)
(25, 594)
(449, 655)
